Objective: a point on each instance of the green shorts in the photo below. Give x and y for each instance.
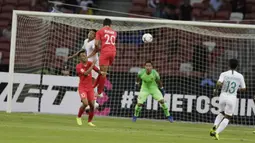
(144, 93)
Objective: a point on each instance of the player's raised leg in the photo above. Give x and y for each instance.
(157, 95)
(101, 79)
(140, 100)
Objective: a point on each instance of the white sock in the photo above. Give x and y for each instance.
(222, 125)
(218, 119)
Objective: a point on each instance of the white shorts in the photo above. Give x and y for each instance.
(227, 104)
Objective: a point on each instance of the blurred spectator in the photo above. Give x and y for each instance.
(215, 5)
(186, 10)
(239, 6)
(60, 6)
(169, 13)
(153, 3)
(156, 4)
(6, 32)
(207, 81)
(85, 6)
(56, 7)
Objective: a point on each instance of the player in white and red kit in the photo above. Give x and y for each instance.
(85, 87)
(231, 81)
(89, 46)
(107, 37)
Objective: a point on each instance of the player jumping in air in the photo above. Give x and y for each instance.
(107, 37)
(85, 87)
(150, 86)
(230, 81)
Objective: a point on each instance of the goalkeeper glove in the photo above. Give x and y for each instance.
(162, 90)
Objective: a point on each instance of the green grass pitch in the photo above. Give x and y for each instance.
(41, 128)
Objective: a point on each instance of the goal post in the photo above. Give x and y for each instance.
(11, 63)
(188, 55)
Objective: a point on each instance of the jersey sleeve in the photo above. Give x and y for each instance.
(221, 78)
(157, 75)
(140, 73)
(95, 68)
(242, 83)
(98, 35)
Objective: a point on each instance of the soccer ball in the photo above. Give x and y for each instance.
(147, 38)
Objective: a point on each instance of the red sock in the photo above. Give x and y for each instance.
(101, 83)
(91, 115)
(81, 110)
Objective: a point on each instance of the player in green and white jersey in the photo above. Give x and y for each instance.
(150, 86)
(230, 82)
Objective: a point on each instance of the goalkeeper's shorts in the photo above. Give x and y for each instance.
(143, 95)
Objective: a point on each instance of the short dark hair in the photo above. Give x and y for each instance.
(233, 63)
(94, 30)
(107, 22)
(148, 62)
(81, 51)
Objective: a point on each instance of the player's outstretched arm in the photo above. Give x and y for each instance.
(96, 49)
(74, 55)
(160, 84)
(89, 70)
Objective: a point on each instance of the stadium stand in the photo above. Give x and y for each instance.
(199, 12)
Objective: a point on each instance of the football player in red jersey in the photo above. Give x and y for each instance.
(107, 37)
(85, 87)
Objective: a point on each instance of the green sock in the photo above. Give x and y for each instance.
(137, 110)
(165, 109)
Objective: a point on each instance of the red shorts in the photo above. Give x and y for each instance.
(106, 58)
(87, 94)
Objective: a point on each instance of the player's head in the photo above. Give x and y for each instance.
(107, 22)
(148, 65)
(233, 64)
(83, 56)
(92, 34)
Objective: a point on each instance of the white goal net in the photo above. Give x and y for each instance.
(189, 57)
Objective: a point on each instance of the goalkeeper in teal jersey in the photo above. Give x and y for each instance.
(150, 86)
